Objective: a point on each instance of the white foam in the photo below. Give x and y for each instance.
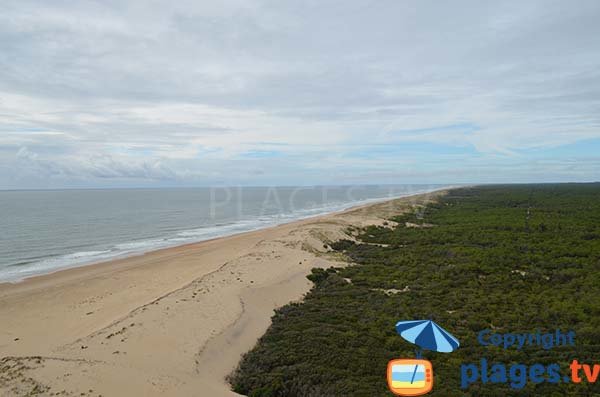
(50, 265)
(85, 254)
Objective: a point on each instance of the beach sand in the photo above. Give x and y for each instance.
(173, 322)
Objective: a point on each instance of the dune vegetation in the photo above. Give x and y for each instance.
(515, 258)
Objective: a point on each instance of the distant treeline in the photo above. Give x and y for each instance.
(515, 258)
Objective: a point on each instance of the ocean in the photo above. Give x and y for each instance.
(44, 231)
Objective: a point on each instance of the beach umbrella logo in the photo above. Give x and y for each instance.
(414, 377)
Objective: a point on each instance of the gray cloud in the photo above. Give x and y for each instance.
(177, 92)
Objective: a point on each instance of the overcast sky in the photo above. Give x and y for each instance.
(192, 93)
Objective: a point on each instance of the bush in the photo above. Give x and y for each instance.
(517, 258)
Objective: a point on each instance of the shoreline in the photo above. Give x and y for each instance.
(118, 257)
(171, 321)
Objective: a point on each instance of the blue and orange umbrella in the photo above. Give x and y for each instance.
(426, 335)
(414, 377)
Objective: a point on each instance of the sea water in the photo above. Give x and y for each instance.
(48, 230)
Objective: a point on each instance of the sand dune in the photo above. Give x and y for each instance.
(173, 322)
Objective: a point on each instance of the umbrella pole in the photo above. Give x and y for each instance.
(419, 354)
(414, 373)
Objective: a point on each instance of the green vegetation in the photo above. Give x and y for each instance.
(516, 258)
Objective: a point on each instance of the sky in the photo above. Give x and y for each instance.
(252, 92)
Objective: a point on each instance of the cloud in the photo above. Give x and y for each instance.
(200, 93)
(92, 167)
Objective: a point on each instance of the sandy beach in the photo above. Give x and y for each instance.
(172, 322)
